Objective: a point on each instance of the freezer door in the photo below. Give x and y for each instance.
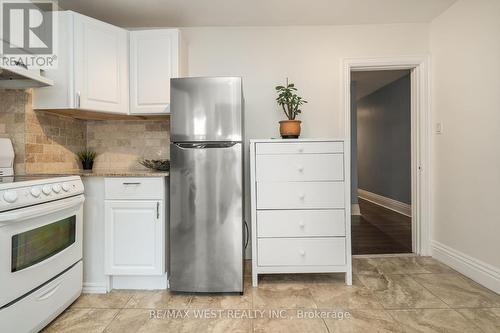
(206, 109)
(206, 217)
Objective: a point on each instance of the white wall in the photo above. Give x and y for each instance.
(465, 48)
(310, 56)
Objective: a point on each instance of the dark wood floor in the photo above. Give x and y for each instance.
(380, 231)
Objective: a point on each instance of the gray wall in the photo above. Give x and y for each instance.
(384, 141)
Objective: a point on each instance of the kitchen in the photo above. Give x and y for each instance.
(130, 91)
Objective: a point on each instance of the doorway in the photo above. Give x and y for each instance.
(381, 162)
(420, 166)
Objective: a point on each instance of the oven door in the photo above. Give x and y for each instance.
(37, 243)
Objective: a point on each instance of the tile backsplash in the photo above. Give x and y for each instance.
(52, 142)
(120, 144)
(48, 143)
(12, 124)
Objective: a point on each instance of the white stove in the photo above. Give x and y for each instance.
(23, 191)
(41, 224)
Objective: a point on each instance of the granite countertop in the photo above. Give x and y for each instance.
(114, 173)
(122, 173)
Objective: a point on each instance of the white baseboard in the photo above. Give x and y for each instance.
(94, 288)
(139, 282)
(355, 209)
(397, 206)
(479, 271)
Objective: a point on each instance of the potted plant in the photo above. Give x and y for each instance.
(87, 158)
(290, 102)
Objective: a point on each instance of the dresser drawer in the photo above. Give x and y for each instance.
(300, 223)
(300, 195)
(301, 251)
(135, 188)
(300, 167)
(300, 147)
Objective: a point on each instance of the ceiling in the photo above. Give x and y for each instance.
(192, 13)
(368, 82)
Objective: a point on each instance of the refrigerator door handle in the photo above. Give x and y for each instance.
(205, 145)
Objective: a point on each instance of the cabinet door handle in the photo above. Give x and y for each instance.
(77, 99)
(158, 210)
(132, 183)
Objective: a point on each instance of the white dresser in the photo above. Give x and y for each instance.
(300, 206)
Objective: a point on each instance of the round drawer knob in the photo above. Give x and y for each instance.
(302, 253)
(56, 188)
(301, 224)
(35, 192)
(302, 196)
(47, 189)
(300, 169)
(10, 196)
(300, 150)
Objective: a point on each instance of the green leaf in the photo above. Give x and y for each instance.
(288, 100)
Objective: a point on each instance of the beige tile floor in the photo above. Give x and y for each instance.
(389, 294)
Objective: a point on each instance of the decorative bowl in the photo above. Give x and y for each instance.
(160, 165)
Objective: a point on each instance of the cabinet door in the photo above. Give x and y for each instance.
(134, 237)
(101, 66)
(153, 62)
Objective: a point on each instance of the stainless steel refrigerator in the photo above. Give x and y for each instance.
(206, 185)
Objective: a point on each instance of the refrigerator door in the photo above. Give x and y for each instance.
(206, 109)
(206, 217)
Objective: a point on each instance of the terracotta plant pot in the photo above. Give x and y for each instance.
(290, 129)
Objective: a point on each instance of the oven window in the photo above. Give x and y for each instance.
(36, 245)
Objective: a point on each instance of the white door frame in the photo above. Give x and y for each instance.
(421, 208)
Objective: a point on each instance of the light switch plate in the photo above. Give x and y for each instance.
(439, 128)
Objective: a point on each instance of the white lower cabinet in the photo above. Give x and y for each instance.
(300, 207)
(135, 236)
(134, 242)
(124, 233)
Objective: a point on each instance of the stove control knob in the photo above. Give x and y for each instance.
(47, 189)
(35, 191)
(65, 187)
(10, 196)
(56, 188)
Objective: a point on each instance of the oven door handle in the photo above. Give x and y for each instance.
(41, 210)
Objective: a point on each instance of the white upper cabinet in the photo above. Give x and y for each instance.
(154, 59)
(92, 72)
(101, 66)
